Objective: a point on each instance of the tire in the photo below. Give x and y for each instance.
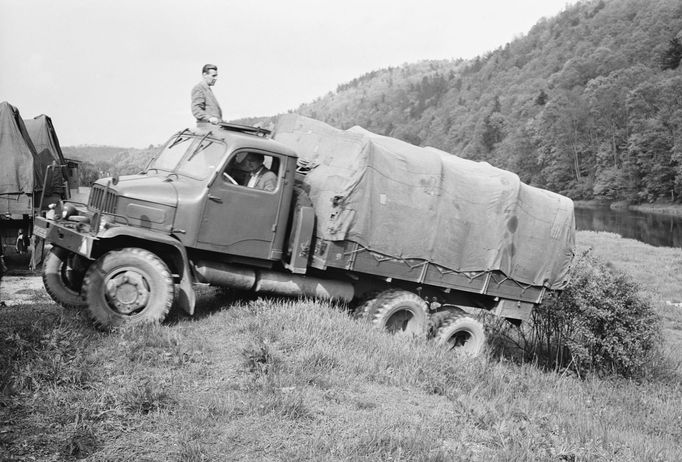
(436, 320)
(365, 309)
(128, 286)
(400, 311)
(462, 333)
(62, 282)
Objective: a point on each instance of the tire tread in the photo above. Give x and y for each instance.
(67, 300)
(388, 300)
(449, 325)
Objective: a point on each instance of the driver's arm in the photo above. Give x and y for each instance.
(269, 181)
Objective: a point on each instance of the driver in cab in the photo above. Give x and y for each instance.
(258, 175)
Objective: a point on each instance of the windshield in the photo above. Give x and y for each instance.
(190, 155)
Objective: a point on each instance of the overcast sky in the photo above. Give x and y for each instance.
(120, 72)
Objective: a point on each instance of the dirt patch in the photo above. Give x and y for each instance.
(16, 290)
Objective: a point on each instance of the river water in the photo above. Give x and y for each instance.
(654, 229)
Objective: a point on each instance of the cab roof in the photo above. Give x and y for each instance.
(243, 136)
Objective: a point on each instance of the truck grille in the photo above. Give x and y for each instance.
(102, 199)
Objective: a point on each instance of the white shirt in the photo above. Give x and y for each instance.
(254, 177)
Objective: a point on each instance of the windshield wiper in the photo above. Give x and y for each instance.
(201, 147)
(179, 139)
(204, 146)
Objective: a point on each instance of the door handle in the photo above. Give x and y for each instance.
(215, 198)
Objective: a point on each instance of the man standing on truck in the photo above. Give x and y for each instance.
(205, 107)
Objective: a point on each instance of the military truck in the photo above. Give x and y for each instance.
(415, 238)
(34, 171)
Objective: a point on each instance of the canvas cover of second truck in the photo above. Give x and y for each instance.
(413, 202)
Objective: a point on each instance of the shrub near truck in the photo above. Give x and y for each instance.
(413, 236)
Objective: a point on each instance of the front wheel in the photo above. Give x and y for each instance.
(128, 286)
(62, 280)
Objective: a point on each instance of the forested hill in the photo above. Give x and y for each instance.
(588, 103)
(102, 161)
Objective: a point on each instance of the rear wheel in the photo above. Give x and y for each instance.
(62, 282)
(437, 319)
(128, 286)
(400, 311)
(365, 307)
(462, 333)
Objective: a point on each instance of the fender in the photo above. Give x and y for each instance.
(186, 297)
(61, 252)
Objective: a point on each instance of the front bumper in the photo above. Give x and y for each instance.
(65, 234)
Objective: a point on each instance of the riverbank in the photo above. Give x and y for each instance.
(661, 208)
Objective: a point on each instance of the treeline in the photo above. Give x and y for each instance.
(104, 161)
(588, 103)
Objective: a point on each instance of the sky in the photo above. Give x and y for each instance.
(120, 72)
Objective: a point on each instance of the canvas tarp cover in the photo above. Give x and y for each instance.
(44, 138)
(409, 202)
(20, 168)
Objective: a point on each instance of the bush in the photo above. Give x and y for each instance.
(600, 323)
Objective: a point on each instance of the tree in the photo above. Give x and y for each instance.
(562, 144)
(606, 97)
(673, 55)
(655, 114)
(541, 99)
(87, 173)
(650, 149)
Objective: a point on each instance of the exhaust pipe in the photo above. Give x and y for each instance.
(272, 282)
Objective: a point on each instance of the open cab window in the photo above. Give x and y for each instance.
(253, 170)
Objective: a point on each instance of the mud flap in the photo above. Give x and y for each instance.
(186, 298)
(37, 249)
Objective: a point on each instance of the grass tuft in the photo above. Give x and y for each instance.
(259, 357)
(148, 396)
(80, 444)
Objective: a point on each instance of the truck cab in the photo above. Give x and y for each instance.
(196, 190)
(195, 202)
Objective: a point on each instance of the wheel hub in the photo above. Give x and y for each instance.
(400, 322)
(127, 292)
(460, 339)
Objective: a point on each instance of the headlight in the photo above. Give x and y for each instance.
(51, 214)
(68, 210)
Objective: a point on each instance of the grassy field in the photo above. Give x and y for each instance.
(284, 380)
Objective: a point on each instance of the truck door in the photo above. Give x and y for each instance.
(242, 208)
